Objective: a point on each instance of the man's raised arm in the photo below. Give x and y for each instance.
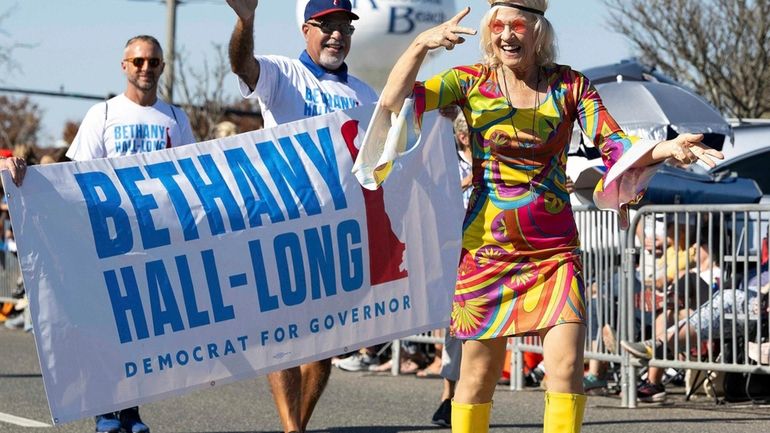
(242, 61)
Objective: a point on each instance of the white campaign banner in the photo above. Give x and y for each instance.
(157, 274)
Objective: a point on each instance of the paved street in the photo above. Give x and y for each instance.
(358, 403)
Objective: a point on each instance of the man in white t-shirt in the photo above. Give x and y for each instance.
(137, 120)
(133, 122)
(288, 90)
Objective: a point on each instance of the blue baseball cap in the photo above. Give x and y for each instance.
(319, 8)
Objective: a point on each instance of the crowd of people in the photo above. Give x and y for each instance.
(520, 271)
(691, 298)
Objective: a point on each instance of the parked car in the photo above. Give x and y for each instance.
(749, 154)
(749, 135)
(754, 165)
(751, 160)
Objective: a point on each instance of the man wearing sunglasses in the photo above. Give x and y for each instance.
(137, 120)
(133, 122)
(287, 90)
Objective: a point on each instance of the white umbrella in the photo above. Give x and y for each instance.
(652, 110)
(649, 109)
(659, 111)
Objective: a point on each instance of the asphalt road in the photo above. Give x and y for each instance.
(358, 403)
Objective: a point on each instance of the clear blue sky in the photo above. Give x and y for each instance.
(77, 44)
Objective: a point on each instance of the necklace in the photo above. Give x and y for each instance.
(530, 176)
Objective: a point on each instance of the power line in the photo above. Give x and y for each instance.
(60, 93)
(183, 2)
(63, 94)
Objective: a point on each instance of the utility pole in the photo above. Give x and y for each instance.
(170, 49)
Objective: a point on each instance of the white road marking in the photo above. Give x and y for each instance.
(24, 422)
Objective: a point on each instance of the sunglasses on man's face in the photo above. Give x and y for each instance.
(154, 62)
(518, 26)
(329, 28)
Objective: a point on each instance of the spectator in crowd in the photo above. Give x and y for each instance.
(109, 130)
(656, 235)
(22, 304)
(433, 362)
(600, 318)
(369, 359)
(18, 317)
(224, 129)
(280, 85)
(17, 168)
(671, 279)
(4, 215)
(464, 157)
(520, 242)
(741, 303)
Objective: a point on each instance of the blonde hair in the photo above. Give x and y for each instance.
(545, 38)
(460, 124)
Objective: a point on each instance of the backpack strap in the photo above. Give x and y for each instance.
(104, 128)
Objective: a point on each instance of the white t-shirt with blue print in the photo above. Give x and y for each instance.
(128, 128)
(290, 89)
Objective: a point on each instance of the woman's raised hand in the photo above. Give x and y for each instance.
(447, 34)
(689, 148)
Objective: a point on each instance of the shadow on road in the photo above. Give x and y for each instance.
(401, 429)
(736, 419)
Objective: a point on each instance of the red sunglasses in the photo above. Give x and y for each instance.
(518, 26)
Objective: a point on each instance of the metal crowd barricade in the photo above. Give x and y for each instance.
(601, 248)
(704, 298)
(700, 275)
(395, 348)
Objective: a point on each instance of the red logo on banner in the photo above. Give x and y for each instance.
(385, 249)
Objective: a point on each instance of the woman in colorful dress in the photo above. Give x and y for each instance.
(520, 269)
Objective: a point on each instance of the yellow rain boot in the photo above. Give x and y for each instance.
(563, 412)
(470, 418)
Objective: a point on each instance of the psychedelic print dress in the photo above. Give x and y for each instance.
(520, 269)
